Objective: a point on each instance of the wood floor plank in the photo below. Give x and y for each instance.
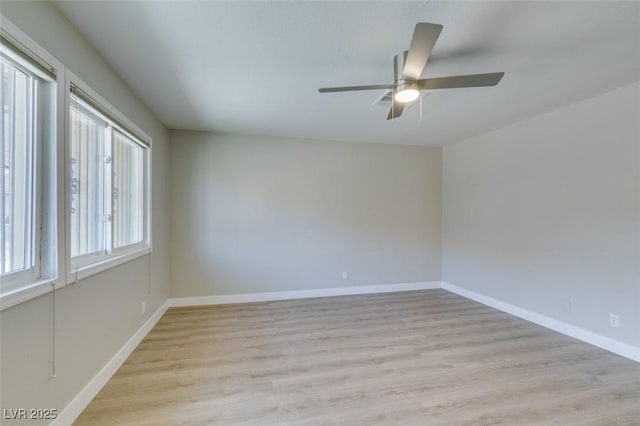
(412, 358)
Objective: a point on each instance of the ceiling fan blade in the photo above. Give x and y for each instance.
(396, 110)
(471, 80)
(353, 88)
(424, 38)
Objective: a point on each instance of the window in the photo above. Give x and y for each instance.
(27, 130)
(108, 199)
(75, 176)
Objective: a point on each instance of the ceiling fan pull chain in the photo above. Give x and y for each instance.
(393, 103)
(421, 109)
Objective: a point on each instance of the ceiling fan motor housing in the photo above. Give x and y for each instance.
(398, 68)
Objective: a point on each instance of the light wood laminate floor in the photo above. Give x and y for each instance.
(411, 358)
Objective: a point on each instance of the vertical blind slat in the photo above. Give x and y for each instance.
(2, 162)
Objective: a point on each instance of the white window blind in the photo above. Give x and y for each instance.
(19, 239)
(88, 160)
(17, 179)
(128, 193)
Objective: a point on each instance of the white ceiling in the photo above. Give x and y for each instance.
(255, 67)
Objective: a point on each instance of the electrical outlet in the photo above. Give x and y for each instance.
(144, 308)
(614, 320)
(345, 276)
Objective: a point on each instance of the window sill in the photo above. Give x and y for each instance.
(23, 294)
(78, 273)
(38, 288)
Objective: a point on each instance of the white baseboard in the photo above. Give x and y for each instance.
(71, 412)
(617, 347)
(300, 294)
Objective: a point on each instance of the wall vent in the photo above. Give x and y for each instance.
(384, 100)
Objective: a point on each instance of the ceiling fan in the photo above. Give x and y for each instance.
(408, 67)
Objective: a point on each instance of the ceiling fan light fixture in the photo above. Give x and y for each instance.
(406, 95)
(406, 92)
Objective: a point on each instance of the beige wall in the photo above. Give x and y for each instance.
(546, 212)
(96, 316)
(258, 214)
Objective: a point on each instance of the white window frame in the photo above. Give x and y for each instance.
(90, 264)
(43, 277)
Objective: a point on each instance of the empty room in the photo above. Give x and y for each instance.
(320, 213)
